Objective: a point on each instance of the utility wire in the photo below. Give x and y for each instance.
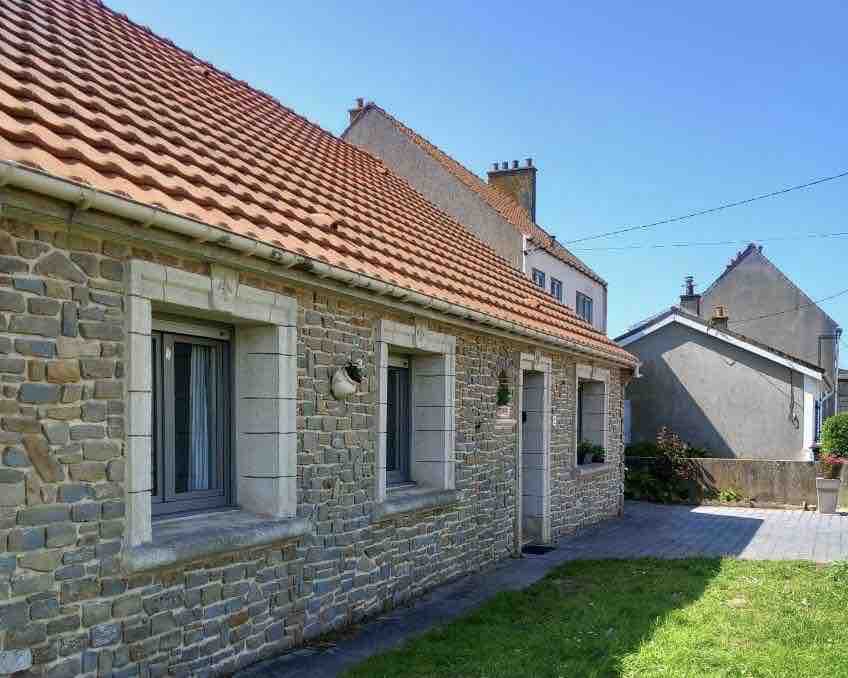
(788, 310)
(711, 210)
(710, 243)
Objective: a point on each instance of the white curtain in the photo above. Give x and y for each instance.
(199, 392)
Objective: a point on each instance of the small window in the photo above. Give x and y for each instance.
(556, 289)
(397, 422)
(584, 307)
(191, 408)
(539, 278)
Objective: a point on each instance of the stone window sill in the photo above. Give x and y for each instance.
(180, 540)
(411, 500)
(590, 470)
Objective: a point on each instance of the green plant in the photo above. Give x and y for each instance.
(644, 485)
(831, 466)
(730, 494)
(585, 448)
(645, 448)
(834, 435)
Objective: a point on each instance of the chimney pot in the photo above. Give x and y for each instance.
(689, 301)
(516, 181)
(360, 102)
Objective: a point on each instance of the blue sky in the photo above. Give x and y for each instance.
(633, 112)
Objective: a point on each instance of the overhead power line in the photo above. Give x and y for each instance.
(709, 243)
(711, 210)
(788, 310)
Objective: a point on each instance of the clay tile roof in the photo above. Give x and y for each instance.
(501, 202)
(89, 95)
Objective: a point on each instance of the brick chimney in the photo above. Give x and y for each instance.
(518, 182)
(719, 319)
(689, 301)
(356, 110)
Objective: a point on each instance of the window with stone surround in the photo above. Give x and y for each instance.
(190, 455)
(592, 411)
(264, 376)
(425, 360)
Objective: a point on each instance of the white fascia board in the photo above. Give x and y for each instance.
(727, 338)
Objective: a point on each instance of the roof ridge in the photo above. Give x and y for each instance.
(303, 170)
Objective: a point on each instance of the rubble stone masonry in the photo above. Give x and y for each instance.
(64, 592)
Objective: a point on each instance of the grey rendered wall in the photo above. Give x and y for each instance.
(756, 287)
(715, 396)
(378, 135)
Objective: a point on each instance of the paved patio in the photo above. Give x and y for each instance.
(646, 530)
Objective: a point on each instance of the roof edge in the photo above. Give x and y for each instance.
(148, 216)
(678, 315)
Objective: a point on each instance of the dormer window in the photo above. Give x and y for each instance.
(539, 278)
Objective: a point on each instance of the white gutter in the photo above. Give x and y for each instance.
(148, 216)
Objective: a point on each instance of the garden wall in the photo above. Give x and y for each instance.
(763, 481)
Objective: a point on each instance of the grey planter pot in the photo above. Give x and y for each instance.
(827, 494)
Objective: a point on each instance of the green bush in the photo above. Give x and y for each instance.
(585, 447)
(834, 435)
(644, 449)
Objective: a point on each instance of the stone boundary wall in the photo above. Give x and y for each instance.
(64, 592)
(764, 481)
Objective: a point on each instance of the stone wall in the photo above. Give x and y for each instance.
(63, 591)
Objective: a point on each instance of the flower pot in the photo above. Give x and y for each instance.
(827, 494)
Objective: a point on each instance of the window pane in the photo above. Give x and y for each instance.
(194, 440)
(539, 277)
(397, 424)
(154, 460)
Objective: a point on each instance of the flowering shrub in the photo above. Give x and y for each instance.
(831, 466)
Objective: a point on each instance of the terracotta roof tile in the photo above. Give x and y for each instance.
(498, 200)
(87, 95)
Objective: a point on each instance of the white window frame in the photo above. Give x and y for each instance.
(591, 373)
(264, 456)
(433, 382)
(579, 307)
(556, 281)
(542, 277)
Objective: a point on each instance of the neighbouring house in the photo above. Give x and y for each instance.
(762, 303)
(501, 212)
(251, 380)
(720, 390)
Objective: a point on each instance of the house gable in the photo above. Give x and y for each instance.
(761, 303)
(376, 132)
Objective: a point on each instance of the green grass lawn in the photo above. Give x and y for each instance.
(645, 618)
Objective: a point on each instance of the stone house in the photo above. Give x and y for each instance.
(501, 212)
(190, 274)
